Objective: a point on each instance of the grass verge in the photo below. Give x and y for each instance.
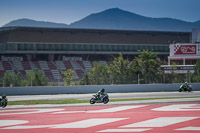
(73, 101)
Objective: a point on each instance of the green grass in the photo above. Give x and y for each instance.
(73, 101)
(63, 101)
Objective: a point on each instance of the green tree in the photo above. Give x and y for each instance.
(136, 70)
(35, 78)
(148, 65)
(98, 75)
(196, 74)
(7, 79)
(17, 79)
(85, 79)
(68, 77)
(174, 76)
(12, 79)
(1, 81)
(120, 70)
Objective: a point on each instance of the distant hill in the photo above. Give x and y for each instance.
(118, 19)
(33, 23)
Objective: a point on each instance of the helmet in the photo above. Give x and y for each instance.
(102, 90)
(3, 96)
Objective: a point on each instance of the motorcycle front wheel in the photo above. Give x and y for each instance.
(105, 100)
(92, 101)
(190, 89)
(4, 104)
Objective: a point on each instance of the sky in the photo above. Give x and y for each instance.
(69, 11)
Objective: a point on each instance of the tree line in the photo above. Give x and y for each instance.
(144, 69)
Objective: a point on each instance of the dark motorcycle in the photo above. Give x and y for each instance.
(185, 88)
(3, 101)
(104, 99)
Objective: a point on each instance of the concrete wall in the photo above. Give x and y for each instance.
(92, 89)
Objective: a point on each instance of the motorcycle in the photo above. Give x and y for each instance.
(3, 101)
(183, 88)
(104, 99)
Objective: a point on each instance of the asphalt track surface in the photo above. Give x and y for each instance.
(111, 95)
(180, 117)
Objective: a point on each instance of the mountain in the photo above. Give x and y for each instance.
(118, 19)
(33, 23)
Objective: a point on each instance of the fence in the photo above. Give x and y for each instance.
(44, 90)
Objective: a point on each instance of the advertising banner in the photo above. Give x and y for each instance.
(185, 49)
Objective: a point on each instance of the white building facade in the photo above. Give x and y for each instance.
(183, 56)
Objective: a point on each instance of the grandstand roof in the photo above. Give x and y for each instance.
(66, 35)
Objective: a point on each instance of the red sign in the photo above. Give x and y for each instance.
(184, 49)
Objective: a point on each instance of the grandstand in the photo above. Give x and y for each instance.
(53, 50)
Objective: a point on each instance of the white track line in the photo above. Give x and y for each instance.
(160, 122)
(88, 123)
(116, 109)
(125, 130)
(189, 129)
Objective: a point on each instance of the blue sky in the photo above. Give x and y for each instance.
(68, 11)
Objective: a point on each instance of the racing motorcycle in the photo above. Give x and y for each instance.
(3, 101)
(103, 99)
(184, 88)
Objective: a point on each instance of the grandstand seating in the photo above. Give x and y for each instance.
(67, 64)
(35, 65)
(2, 73)
(51, 65)
(1, 66)
(81, 64)
(60, 65)
(75, 65)
(51, 69)
(87, 65)
(26, 65)
(48, 74)
(80, 73)
(6, 65)
(56, 74)
(17, 65)
(43, 65)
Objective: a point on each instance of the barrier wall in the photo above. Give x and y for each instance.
(44, 90)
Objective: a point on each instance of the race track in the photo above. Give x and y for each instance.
(147, 118)
(111, 95)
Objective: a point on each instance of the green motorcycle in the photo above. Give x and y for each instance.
(3, 101)
(184, 88)
(103, 99)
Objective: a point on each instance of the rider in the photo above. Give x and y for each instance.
(185, 86)
(100, 94)
(3, 97)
